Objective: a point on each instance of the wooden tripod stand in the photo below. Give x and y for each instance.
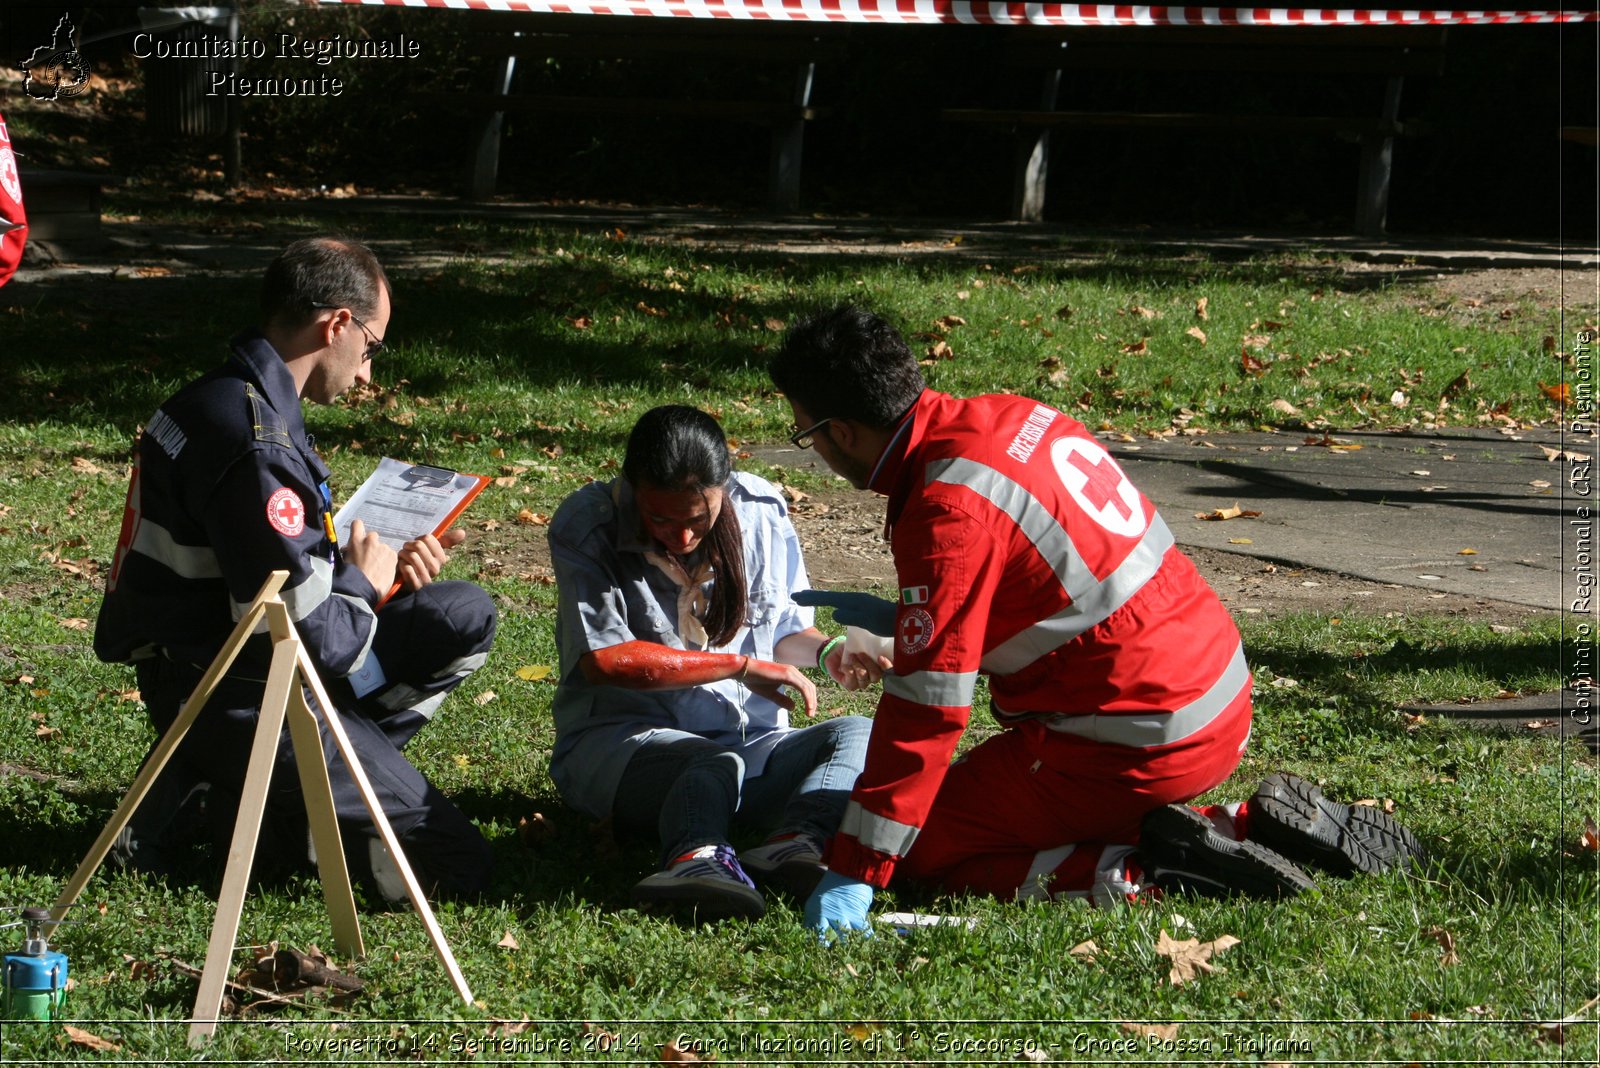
(283, 700)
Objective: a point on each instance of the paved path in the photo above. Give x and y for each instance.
(1474, 512)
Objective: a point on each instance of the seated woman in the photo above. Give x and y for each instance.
(681, 650)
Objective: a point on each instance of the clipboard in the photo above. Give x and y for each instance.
(401, 502)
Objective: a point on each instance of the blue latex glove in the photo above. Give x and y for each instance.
(854, 609)
(837, 905)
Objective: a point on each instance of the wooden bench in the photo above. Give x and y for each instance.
(670, 42)
(1378, 57)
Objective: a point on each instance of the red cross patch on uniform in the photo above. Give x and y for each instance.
(916, 630)
(285, 512)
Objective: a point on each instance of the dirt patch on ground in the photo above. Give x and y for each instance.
(1545, 287)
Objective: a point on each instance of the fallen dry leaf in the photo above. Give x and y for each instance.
(1191, 957)
(1201, 308)
(75, 624)
(529, 518)
(533, 672)
(1590, 839)
(510, 1027)
(1251, 365)
(1197, 333)
(1538, 724)
(1466, 552)
(1561, 394)
(484, 698)
(509, 942)
(946, 322)
(1235, 512)
(85, 466)
(1160, 1033)
(89, 1040)
(1137, 348)
(1281, 405)
(672, 1053)
(1085, 950)
(1560, 454)
(1447, 943)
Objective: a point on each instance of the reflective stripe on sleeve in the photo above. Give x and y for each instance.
(307, 596)
(877, 832)
(948, 689)
(186, 561)
(1036, 884)
(1092, 600)
(1164, 728)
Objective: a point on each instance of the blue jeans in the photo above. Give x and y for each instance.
(690, 792)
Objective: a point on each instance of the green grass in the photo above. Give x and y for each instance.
(537, 366)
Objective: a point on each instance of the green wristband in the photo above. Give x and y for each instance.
(827, 647)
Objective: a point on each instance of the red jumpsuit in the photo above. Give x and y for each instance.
(13, 221)
(1025, 554)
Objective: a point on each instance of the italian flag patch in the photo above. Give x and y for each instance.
(914, 595)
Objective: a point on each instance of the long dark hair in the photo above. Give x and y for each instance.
(675, 448)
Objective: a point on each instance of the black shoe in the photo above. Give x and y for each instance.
(1292, 816)
(1181, 852)
(166, 826)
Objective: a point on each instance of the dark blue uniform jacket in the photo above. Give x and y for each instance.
(227, 488)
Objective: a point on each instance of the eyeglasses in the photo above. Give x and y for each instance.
(374, 343)
(801, 439)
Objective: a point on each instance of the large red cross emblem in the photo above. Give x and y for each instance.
(1098, 485)
(286, 513)
(1103, 485)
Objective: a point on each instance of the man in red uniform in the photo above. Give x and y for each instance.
(1025, 554)
(13, 220)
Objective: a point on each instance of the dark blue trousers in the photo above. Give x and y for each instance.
(427, 643)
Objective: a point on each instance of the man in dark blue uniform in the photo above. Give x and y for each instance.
(227, 488)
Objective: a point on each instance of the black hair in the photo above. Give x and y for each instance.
(675, 448)
(321, 270)
(848, 363)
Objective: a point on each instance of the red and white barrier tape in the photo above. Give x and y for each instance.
(995, 12)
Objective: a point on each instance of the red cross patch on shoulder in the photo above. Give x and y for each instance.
(286, 513)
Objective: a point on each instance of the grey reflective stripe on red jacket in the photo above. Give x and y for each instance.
(1145, 731)
(948, 689)
(885, 835)
(1093, 600)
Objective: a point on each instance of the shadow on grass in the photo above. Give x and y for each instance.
(102, 350)
(1361, 678)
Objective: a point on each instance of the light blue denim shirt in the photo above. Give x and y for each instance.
(610, 594)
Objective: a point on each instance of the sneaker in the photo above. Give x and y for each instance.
(165, 826)
(707, 882)
(1293, 817)
(790, 863)
(1181, 852)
